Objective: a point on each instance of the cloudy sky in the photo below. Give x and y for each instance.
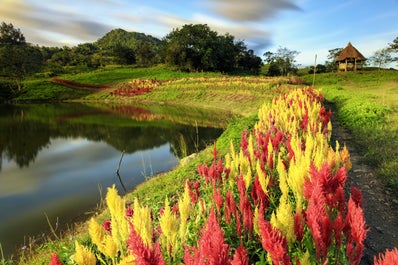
(307, 26)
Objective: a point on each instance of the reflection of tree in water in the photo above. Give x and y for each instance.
(24, 131)
(21, 140)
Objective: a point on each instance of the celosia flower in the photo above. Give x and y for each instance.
(107, 225)
(169, 224)
(299, 223)
(356, 231)
(389, 258)
(119, 225)
(230, 207)
(273, 242)
(143, 253)
(211, 247)
(217, 197)
(55, 259)
(319, 222)
(240, 256)
(83, 256)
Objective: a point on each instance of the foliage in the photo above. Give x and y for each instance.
(17, 58)
(381, 57)
(331, 62)
(278, 200)
(281, 62)
(198, 48)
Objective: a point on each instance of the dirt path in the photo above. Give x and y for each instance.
(381, 212)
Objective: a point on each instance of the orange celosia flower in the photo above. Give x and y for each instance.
(389, 258)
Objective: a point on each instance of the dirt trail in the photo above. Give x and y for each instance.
(381, 212)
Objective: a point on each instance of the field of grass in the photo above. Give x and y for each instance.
(367, 104)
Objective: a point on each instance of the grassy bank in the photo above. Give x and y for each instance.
(367, 105)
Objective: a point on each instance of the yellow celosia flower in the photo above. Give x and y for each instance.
(283, 219)
(169, 224)
(96, 233)
(119, 224)
(83, 256)
(110, 248)
(262, 178)
(255, 223)
(128, 260)
(142, 222)
(184, 206)
(305, 259)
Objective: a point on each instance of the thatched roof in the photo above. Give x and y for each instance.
(350, 52)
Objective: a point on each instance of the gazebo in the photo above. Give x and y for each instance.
(350, 59)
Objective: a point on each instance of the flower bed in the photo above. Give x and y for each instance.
(135, 87)
(278, 200)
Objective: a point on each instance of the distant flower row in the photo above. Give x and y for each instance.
(279, 199)
(76, 84)
(135, 87)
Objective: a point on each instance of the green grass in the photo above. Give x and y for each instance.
(367, 104)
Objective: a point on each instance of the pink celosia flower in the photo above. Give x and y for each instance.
(355, 231)
(389, 258)
(211, 247)
(144, 255)
(273, 242)
(55, 260)
(240, 256)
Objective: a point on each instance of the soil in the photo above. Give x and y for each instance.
(379, 204)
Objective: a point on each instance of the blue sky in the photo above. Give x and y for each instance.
(307, 26)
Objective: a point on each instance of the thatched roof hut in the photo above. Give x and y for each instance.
(350, 59)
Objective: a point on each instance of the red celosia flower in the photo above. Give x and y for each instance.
(211, 247)
(318, 221)
(217, 197)
(55, 260)
(240, 256)
(356, 231)
(129, 211)
(144, 255)
(389, 258)
(273, 242)
(230, 206)
(107, 225)
(258, 195)
(299, 223)
(356, 195)
(338, 226)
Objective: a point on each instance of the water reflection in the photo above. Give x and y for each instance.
(54, 157)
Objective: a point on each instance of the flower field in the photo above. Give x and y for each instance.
(279, 199)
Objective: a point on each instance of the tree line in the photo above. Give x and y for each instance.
(193, 47)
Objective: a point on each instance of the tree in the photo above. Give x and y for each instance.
(17, 58)
(394, 48)
(198, 48)
(330, 63)
(381, 57)
(320, 68)
(283, 59)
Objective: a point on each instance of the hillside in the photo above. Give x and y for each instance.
(129, 39)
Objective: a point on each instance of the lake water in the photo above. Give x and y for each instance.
(57, 159)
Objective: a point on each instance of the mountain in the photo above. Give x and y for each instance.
(130, 39)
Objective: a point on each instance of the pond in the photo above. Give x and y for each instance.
(58, 159)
